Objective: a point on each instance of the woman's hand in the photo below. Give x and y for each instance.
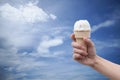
(82, 56)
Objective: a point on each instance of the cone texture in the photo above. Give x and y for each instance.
(79, 35)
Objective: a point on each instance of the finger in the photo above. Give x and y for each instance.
(73, 37)
(76, 45)
(77, 56)
(81, 52)
(88, 42)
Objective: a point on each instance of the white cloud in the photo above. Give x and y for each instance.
(53, 16)
(26, 66)
(51, 42)
(25, 13)
(114, 43)
(45, 45)
(21, 27)
(10, 57)
(21, 20)
(107, 23)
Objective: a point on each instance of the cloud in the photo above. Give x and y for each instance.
(25, 13)
(22, 19)
(26, 66)
(26, 38)
(25, 33)
(9, 56)
(53, 16)
(44, 46)
(106, 23)
(51, 42)
(114, 43)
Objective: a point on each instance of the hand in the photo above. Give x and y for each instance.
(82, 56)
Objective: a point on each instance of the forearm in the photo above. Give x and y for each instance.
(107, 68)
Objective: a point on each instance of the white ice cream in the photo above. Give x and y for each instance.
(82, 25)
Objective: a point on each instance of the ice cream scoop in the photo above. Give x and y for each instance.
(82, 25)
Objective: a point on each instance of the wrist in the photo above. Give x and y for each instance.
(95, 62)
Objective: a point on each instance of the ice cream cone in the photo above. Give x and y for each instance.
(82, 29)
(79, 35)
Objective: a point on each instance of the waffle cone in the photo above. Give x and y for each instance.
(79, 35)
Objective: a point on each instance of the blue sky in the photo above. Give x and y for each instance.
(35, 42)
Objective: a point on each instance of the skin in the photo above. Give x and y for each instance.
(90, 58)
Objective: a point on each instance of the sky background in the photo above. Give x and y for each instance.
(35, 39)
